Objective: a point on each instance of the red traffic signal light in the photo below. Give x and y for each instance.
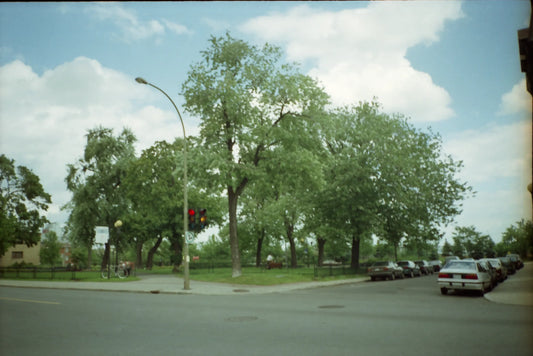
(192, 219)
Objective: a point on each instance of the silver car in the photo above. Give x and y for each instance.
(464, 275)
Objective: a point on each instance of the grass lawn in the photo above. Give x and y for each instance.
(258, 276)
(250, 275)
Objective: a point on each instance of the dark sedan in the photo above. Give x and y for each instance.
(410, 268)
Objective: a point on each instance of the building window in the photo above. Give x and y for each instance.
(17, 255)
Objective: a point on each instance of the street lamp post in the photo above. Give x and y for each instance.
(186, 284)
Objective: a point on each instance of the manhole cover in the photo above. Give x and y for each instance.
(331, 307)
(241, 290)
(241, 318)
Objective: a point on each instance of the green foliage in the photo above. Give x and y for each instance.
(95, 182)
(247, 100)
(518, 238)
(50, 248)
(468, 242)
(22, 200)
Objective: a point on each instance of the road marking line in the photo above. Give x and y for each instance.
(29, 301)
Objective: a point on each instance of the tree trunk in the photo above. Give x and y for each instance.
(355, 253)
(105, 260)
(292, 244)
(259, 248)
(320, 244)
(176, 247)
(139, 253)
(151, 252)
(236, 270)
(90, 256)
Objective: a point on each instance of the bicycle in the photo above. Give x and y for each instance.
(118, 271)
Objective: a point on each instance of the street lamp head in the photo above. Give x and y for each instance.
(118, 223)
(141, 80)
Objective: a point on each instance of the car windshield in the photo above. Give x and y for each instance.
(471, 265)
(494, 263)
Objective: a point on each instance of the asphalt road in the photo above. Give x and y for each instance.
(402, 317)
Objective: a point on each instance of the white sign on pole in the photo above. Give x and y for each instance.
(101, 234)
(189, 237)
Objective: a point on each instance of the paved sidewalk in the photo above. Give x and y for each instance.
(517, 289)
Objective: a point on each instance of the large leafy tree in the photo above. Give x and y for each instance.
(244, 94)
(95, 182)
(349, 200)
(384, 177)
(472, 242)
(50, 249)
(22, 202)
(419, 191)
(518, 238)
(155, 191)
(154, 188)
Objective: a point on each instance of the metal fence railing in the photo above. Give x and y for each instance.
(49, 273)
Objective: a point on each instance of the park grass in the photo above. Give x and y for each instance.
(262, 277)
(250, 275)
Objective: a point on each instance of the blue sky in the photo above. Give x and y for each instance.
(452, 66)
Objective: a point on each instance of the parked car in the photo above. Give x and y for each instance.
(501, 270)
(425, 267)
(385, 270)
(506, 261)
(464, 275)
(410, 268)
(515, 259)
(437, 265)
(450, 258)
(492, 272)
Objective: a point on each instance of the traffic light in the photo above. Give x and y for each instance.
(203, 219)
(192, 219)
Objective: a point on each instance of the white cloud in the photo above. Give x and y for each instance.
(497, 163)
(44, 119)
(130, 26)
(516, 101)
(360, 53)
(493, 152)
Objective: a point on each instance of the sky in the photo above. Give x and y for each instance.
(451, 66)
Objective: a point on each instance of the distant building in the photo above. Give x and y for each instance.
(21, 253)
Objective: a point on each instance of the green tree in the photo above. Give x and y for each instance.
(95, 182)
(349, 200)
(472, 243)
(417, 185)
(22, 201)
(244, 94)
(518, 238)
(447, 249)
(50, 249)
(154, 188)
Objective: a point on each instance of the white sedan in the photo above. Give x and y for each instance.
(464, 274)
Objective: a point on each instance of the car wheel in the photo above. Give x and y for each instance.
(372, 279)
(444, 291)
